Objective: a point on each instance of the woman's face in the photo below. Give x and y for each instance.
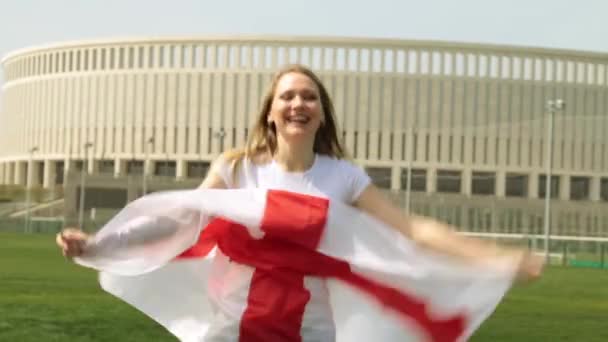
(296, 107)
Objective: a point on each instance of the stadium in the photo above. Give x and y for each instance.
(463, 126)
(460, 132)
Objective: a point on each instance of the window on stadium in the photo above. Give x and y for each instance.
(197, 169)
(483, 183)
(449, 181)
(579, 188)
(418, 180)
(135, 167)
(106, 166)
(381, 176)
(516, 185)
(604, 189)
(542, 181)
(59, 170)
(166, 168)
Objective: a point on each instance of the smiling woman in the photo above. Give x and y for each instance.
(298, 109)
(294, 148)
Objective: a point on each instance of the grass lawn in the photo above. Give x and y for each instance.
(45, 298)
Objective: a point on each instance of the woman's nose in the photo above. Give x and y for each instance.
(297, 102)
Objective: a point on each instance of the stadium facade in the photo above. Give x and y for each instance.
(467, 119)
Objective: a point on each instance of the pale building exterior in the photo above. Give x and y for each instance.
(468, 119)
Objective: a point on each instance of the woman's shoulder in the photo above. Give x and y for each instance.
(239, 155)
(344, 164)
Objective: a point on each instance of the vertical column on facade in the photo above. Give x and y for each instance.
(533, 179)
(466, 185)
(131, 97)
(229, 105)
(375, 115)
(120, 113)
(3, 173)
(350, 107)
(416, 100)
(433, 96)
(396, 178)
(466, 129)
(523, 125)
(362, 112)
(538, 120)
(480, 115)
(503, 109)
(49, 173)
(109, 83)
(445, 115)
(431, 180)
(387, 128)
(517, 98)
(182, 112)
(570, 112)
(137, 131)
(564, 187)
(149, 139)
(500, 183)
(158, 102)
(603, 105)
(204, 114)
(92, 165)
(587, 122)
(19, 176)
(494, 132)
(68, 165)
(180, 169)
(92, 109)
(33, 169)
(511, 103)
(194, 115)
(151, 166)
(79, 114)
(120, 167)
(597, 135)
(594, 188)
(217, 132)
(9, 177)
(241, 111)
(400, 123)
(43, 107)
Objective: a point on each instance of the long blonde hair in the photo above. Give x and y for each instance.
(262, 141)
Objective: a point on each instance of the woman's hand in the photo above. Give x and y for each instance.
(72, 242)
(530, 267)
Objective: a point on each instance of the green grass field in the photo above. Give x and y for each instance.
(45, 298)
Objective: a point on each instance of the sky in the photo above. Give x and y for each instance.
(568, 24)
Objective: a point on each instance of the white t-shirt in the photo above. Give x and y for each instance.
(328, 177)
(331, 178)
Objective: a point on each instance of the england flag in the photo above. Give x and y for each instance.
(248, 264)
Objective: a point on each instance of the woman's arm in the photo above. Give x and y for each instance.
(72, 241)
(440, 237)
(213, 181)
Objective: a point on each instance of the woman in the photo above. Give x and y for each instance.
(294, 146)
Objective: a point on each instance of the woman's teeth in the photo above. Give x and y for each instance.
(299, 119)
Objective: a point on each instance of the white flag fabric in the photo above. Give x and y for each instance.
(175, 256)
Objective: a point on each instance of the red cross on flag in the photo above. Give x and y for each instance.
(245, 265)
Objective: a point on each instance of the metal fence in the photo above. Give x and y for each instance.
(578, 232)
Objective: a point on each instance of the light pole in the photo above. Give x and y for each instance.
(83, 171)
(144, 185)
(28, 190)
(552, 107)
